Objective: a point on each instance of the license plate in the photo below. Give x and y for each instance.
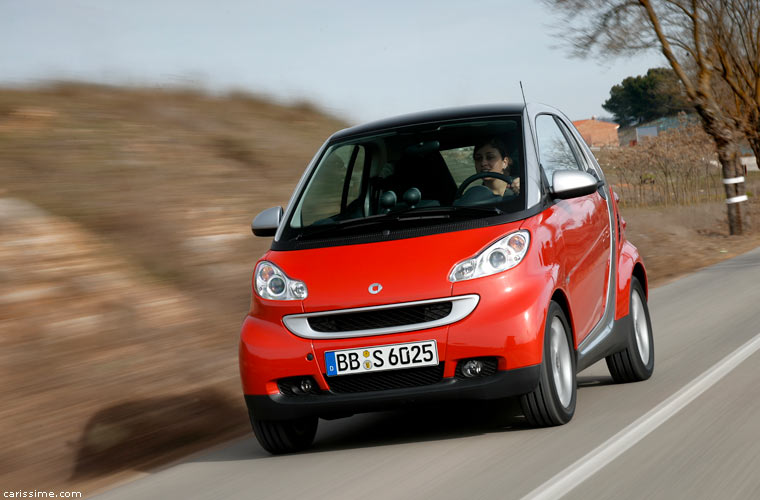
(381, 358)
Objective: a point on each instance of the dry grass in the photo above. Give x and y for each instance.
(678, 240)
(125, 263)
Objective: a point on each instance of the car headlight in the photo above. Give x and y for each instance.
(502, 255)
(271, 283)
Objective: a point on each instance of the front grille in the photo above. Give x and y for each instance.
(380, 318)
(381, 381)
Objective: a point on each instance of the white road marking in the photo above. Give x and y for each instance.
(566, 480)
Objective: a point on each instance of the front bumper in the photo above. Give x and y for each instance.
(328, 405)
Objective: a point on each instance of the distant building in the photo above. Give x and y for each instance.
(636, 134)
(597, 133)
(650, 131)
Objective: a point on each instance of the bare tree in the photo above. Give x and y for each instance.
(686, 31)
(734, 32)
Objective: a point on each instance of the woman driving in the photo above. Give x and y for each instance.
(492, 156)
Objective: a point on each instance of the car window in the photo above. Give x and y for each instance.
(413, 168)
(553, 149)
(324, 196)
(459, 161)
(578, 150)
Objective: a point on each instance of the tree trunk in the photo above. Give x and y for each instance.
(730, 161)
(754, 143)
(728, 145)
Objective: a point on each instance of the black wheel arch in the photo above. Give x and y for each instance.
(561, 299)
(640, 274)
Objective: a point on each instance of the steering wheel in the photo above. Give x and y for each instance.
(481, 175)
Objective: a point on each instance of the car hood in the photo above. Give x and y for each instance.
(340, 277)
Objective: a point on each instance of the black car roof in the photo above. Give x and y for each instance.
(432, 116)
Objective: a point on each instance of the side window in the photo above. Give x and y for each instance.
(553, 148)
(325, 194)
(586, 166)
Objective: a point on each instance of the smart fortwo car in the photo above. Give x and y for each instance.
(465, 254)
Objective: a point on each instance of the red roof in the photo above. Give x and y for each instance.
(597, 133)
(596, 123)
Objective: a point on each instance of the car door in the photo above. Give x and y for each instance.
(582, 226)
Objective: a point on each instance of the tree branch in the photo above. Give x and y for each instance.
(667, 51)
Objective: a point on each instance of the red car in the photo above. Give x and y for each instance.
(472, 253)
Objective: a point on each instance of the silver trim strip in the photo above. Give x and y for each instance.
(461, 307)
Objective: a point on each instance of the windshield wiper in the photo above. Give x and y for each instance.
(406, 214)
(435, 212)
(344, 224)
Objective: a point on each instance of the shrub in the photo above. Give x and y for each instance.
(678, 167)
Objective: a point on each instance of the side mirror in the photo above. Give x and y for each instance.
(267, 222)
(572, 184)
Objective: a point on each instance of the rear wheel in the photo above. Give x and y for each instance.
(285, 436)
(635, 362)
(552, 402)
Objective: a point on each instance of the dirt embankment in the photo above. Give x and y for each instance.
(678, 240)
(125, 264)
(102, 369)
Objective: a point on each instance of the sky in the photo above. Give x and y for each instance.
(360, 61)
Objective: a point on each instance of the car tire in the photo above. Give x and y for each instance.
(636, 362)
(285, 436)
(552, 402)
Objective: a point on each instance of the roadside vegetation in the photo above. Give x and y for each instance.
(679, 166)
(126, 257)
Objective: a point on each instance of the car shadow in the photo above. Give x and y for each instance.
(430, 423)
(148, 433)
(594, 380)
(442, 421)
(451, 420)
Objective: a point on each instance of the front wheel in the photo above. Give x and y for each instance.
(636, 362)
(285, 436)
(552, 402)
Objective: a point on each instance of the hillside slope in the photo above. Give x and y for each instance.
(125, 264)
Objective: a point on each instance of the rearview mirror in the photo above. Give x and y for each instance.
(267, 222)
(572, 184)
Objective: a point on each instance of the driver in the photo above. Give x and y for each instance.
(491, 156)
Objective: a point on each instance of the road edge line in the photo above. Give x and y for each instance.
(580, 470)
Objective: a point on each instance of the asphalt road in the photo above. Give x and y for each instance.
(692, 431)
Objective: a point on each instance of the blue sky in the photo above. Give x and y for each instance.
(358, 60)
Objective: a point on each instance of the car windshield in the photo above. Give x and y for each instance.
(415, 175)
